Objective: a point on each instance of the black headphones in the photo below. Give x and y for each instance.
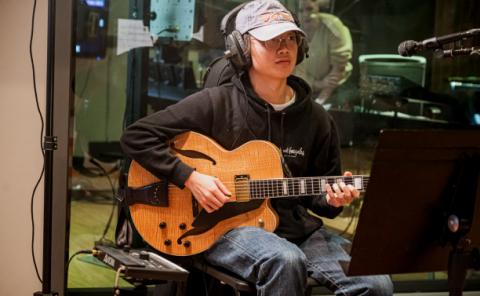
(238, 49)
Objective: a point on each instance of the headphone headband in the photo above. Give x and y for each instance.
(227, 19)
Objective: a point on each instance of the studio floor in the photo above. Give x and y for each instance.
(90, 215)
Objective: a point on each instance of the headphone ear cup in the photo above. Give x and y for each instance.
(302, 51)
(303, 46)
(238, 51)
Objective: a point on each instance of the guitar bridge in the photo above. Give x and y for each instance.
(242, 188)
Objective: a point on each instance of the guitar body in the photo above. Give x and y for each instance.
(161, 226)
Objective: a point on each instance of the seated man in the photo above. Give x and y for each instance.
(263, 102)
(330, 51)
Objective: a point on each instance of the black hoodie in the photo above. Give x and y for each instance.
(233, 114)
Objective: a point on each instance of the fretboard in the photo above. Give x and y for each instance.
(305, 186)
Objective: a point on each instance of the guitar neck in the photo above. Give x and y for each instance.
(304, 186)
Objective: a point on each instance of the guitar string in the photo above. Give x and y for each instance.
(277, 185)
(280, 192)
(276, 190)
(290, 191)
(295, 180)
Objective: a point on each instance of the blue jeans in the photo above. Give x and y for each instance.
(279, 267)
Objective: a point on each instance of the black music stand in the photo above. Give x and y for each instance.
(421, 211)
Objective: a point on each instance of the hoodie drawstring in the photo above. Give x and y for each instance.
(269, 124)
(281, 128)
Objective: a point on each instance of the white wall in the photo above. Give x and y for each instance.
(20, 152)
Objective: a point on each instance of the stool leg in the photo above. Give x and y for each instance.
(181, 289)
(308, 291)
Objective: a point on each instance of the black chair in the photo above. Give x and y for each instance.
(237, 284)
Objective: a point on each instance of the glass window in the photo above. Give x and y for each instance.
(135, 57)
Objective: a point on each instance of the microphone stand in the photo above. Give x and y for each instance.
(451, 53)
(49, 145)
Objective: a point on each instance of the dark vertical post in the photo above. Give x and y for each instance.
(49, 145)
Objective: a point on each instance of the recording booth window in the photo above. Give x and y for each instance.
(363, 84)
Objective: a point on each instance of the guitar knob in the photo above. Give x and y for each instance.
(162, 225)
(167, 242)
(261, 223)
(182, 226)
(187, 244)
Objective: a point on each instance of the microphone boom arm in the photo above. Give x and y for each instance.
(450, 53)
(411, 47)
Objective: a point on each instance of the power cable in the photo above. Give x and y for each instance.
(42, 126)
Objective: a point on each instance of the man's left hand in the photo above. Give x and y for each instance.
(339, 195)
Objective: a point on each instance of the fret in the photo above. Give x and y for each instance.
(323, 182)
(270, 188)
(254, 186)
(347, 180)
(278, 188)
(302, 186)
(285, 187)
(253, 190)
(327, 181)
(264, 185)
(357, 183)
(309, 186)
(315, 185)
(312, 186)
(289, 187)
(274, 188)
(260, 189)
(295, 187)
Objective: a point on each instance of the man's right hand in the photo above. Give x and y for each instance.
(209, 191)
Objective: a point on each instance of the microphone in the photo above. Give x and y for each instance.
(411, 47)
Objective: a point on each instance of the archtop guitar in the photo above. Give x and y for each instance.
(173, 222)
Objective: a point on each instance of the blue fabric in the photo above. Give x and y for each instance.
(279, 267)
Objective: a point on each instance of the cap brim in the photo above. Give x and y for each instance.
(271, 31)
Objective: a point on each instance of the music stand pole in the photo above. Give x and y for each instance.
(460, 199)
(461, 259)
(49, 145)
